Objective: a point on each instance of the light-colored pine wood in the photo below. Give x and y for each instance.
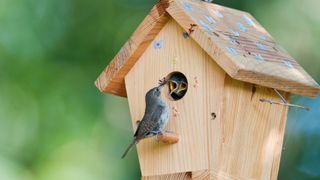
(217, 30)
(168, 138)
(244, 141)
(177, 54)
(247, 135)
(197, 175)
(111, 80)
(177, 176)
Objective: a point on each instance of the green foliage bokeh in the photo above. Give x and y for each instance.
(54, 124)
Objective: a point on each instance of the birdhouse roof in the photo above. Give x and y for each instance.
(233, 38)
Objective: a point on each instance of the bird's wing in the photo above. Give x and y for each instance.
(149, 122)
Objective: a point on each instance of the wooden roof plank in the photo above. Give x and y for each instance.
(242, 47)
(233, 38)
(111, 80)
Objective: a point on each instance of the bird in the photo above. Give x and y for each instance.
(178, 86)
(155, 118)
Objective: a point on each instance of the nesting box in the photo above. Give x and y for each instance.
(230, 62)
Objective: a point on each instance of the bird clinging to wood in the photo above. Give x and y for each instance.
(155, 117)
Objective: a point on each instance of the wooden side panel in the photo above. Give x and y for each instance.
(247, 135)
(170, 52)
(111, 80)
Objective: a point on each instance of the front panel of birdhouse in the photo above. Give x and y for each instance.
(224, 130)
(171, 52)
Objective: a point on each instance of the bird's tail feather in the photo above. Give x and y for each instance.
(134, 141)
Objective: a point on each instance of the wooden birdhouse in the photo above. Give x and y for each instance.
(233, 67)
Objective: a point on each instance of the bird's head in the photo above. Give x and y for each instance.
(156, 91)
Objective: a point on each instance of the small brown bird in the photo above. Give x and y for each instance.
(155, 117)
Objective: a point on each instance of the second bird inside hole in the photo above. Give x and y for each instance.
(178, 85)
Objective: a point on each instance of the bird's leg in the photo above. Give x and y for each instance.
(149, 135)
(158, 132)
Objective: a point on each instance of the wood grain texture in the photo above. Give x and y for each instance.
(111, 80)
(168, 138)
(233, 38)
(177, 176)
(247, 135)
(197, 175)
(242, 47)
(177, 54)
(244, 141)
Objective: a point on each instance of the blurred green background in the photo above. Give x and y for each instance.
(54, 124)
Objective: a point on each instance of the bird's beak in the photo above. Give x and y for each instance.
(182, 87)
(173, 86)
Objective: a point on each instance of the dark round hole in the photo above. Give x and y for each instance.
(178, 85)
(213, 116)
